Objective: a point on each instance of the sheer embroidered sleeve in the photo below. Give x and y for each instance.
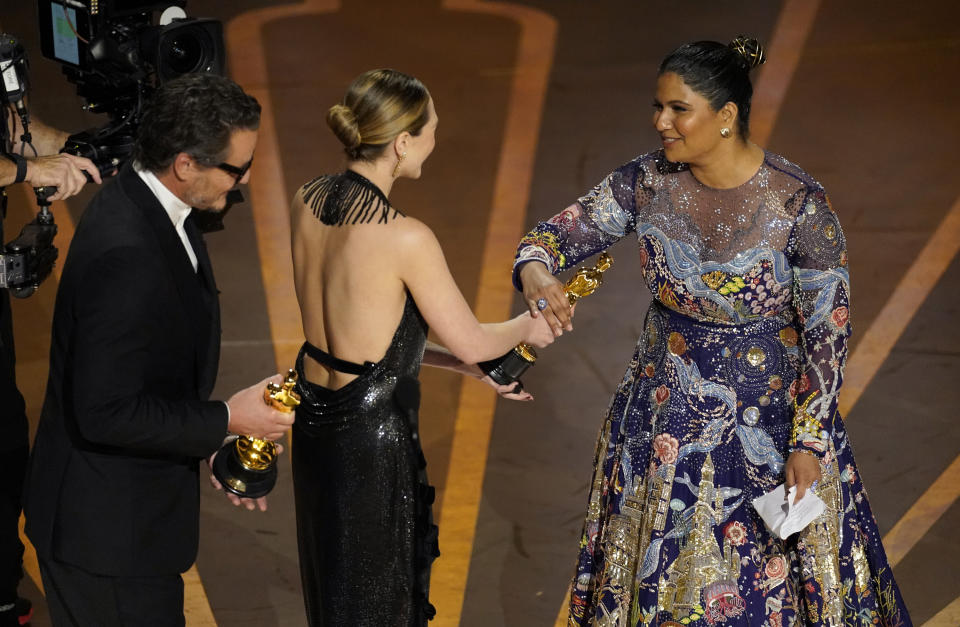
(821, 288)
(592, 224)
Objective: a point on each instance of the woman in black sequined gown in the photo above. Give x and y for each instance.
(369, 281)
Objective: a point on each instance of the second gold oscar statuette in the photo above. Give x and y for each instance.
(508, 368)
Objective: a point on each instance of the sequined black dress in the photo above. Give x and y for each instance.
(364, 523)
(740, 363)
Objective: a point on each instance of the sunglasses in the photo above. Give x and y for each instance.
(238, 173)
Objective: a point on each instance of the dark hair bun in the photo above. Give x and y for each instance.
(750, 50)
(343, 123)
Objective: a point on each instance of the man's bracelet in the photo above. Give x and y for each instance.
(21, 165)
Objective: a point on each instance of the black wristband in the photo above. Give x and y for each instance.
(21, 165)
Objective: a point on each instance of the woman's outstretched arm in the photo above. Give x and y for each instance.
(423, 270)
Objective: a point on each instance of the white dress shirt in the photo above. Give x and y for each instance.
(175, 208)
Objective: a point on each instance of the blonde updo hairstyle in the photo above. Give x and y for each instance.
(379, 105)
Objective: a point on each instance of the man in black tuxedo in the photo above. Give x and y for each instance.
(112, 495)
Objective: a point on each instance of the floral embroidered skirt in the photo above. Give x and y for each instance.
(697, 429)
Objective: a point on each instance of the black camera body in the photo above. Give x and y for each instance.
(28, 260)
(117, 54)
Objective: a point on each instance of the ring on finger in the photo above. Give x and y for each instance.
(542, 303)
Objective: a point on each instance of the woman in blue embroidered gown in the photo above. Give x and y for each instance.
(369, 280)
(733, 386)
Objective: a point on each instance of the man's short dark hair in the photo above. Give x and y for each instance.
(195, 114)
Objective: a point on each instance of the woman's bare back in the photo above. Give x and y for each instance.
(350, 293)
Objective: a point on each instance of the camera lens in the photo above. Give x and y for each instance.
(183, 53)
(184, 47)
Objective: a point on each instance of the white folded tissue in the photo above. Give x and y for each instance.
(785, 517)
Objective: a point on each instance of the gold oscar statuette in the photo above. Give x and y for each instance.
(508, 368)
(247, 466)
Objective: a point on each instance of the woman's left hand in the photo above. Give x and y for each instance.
(802, 470)
(513, 391)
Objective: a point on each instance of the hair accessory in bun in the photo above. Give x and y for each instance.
(750, 50)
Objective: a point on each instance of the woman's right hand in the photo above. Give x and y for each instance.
(539, 283)
(538, 332)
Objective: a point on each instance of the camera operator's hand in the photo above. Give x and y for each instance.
(62, 170)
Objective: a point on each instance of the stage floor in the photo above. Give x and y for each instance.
(538, 100)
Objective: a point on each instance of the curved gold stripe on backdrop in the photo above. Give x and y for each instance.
(786, 47)
(922, 515)
(947, 617)
(268, 196)
(476, 406)
(903, 304)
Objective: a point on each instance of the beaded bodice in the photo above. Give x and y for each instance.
(771, 247)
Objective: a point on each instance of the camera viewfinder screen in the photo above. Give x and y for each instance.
(65, 44)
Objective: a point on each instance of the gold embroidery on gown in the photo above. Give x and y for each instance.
(701, 574)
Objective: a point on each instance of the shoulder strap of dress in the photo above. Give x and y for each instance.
(335, 363)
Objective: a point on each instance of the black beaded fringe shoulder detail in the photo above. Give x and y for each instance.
(347, 198)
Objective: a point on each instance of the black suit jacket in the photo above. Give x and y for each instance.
(112, 485)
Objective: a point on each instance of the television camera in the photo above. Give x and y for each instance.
(117, 52)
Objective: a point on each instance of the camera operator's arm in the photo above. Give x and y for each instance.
(64, 171)
(46, 139)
